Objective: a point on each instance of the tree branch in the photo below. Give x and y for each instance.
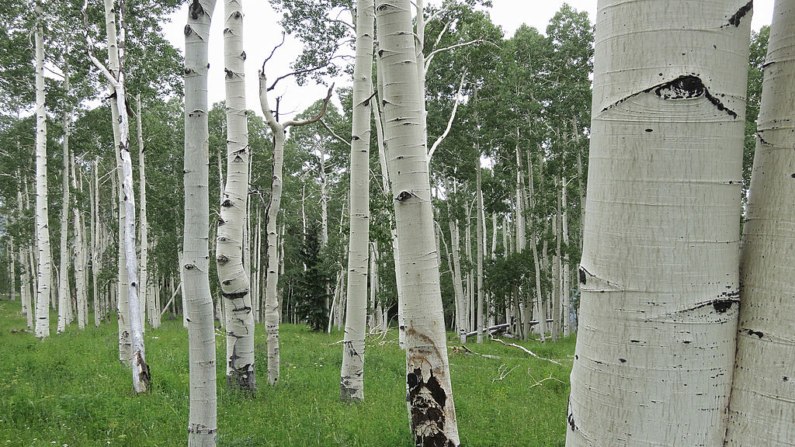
(315, 118)
(90, 50)
(433, 53)
(525, 350)
(334, 134)
(452, 117)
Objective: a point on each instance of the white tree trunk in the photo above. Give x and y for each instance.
(146, 298)
(202, 422)
(429, 394)
(64, 301)
(762, 410)
(352, 374)
(235, 284)
(96, 264)
(81, 263)
(566, 266)
(659, 273)
(479, 235)
(42, 227)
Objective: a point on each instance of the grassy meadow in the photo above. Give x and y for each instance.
(71, 390)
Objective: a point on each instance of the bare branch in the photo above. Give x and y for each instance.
(540, 382)
(334, 134)
(90, 50)
(503, 371)
(525, 350)
(315, 118)
(433, 53)
(272, 52)
(452, 117)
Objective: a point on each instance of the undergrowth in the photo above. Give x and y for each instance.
(71, 390)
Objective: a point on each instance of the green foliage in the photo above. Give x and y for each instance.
(758, 54)
(70, 389)
(312, 285)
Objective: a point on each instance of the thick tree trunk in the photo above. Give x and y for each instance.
(762, 411)
(352, 375)
(429, 394)
(235, 283)
(42, 226)
(659, 273)
(202, 423)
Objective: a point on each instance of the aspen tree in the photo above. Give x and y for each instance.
(64, 301)
(147, 300)
(761, 410)
(42, 227)
(80, 250)
(352, 374)
(234, 278)
(202, 421)
(271, 316)
(429, 394)
(659, 272)
(116, 79)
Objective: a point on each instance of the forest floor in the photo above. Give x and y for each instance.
(71, 390)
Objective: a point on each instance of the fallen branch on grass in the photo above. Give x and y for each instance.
(539, 382)
(526, 350)
(503, 371)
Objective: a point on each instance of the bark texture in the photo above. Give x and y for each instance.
(235, 283)
(352, 374)
(762, 410)
(42, 226)
(202, 423)
(659, 272)
(429, 394)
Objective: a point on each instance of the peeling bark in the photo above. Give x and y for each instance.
(429, 396)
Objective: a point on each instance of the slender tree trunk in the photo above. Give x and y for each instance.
(659, 273)
(761, 410)
(352, 375)
(429, 394)
(235, 283)
(566, 266)
(146, 298)
(479, 235)
(64, 301)
(81, 248)
(202, 422)
(42, 226)
(96, 264)
(457, 285)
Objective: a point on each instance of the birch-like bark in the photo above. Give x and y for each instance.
(566, 265)
(659, 273)
(272, 273)
(12, 254)
(146, 298)
(429, 394)
(80, 249)
(42, 227)
(352, 374)
(479, 252)
(96, 262)
(140, 370)
(202, 422)
(24, 271)
(458, 288)
(235, 283)
(762, 410)
(64, 301)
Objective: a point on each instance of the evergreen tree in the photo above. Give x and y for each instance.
(314, 282)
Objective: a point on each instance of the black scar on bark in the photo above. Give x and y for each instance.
(753, 332)
(570, 417)
(683, 87)
(742, 12)
(195, 10)
(581, 271)
(427, 411)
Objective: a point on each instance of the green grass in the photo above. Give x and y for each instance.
(71, 390)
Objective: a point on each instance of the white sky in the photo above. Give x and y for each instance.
(262, 33)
